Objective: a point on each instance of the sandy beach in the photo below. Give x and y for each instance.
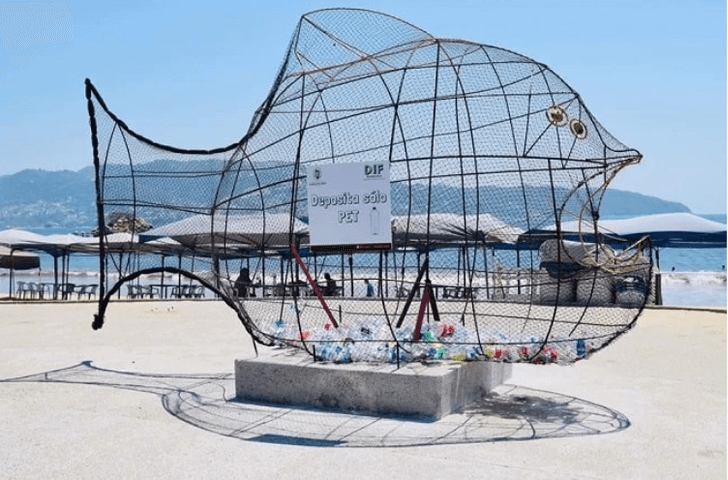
(151, 396)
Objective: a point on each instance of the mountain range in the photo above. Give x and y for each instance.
(64, 201)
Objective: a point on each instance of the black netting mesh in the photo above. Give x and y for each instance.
(489, 153)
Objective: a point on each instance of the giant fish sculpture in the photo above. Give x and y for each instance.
(397, 197)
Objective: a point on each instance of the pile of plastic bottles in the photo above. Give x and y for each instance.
(362, 341)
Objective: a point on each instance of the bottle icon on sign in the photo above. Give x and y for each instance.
(374, 221)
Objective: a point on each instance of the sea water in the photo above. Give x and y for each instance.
(694, 276)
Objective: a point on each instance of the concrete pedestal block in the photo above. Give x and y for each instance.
(290, 377)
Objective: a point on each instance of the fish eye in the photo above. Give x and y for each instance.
(578, 129)
(556, 115)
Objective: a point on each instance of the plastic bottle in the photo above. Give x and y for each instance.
(374, 221)
(580, 348)
(279, 331)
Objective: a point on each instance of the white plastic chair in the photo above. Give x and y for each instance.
(87, 290)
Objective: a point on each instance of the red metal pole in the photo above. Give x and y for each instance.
(421, 315)
(314, 286)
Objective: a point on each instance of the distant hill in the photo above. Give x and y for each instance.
(621, 203)
(63, 201)
(39, 199)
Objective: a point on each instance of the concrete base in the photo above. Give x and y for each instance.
(291, 377)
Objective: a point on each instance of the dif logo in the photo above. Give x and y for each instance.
(374, 170)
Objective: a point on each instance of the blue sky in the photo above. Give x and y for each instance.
(191, 74)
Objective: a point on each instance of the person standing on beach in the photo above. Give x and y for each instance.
(370, 288)
(243, 283)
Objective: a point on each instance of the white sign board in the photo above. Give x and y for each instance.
(349, 206)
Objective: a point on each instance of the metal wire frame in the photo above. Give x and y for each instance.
(468, 130)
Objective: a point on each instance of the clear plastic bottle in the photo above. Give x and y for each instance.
(374, 221)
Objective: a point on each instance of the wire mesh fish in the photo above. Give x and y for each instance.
(471, 151)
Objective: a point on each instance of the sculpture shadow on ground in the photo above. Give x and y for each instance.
(510, 413)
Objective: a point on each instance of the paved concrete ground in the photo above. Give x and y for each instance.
(154, 400)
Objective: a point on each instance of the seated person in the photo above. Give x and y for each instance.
(329, 289)
(243, 284)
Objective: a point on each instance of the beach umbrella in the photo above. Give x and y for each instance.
(666, 230)
(671, 230)
(489, 229)
(15, 237)
(436, 228)
(63, 245)
(449, 228)
(231, 232)
(18, 259)
(120, 242)
(56, 245)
